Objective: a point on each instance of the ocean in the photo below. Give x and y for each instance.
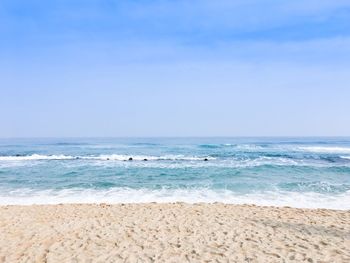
(296, 172)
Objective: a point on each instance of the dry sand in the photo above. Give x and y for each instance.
(172, 233)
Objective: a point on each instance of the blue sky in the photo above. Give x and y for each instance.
(174, 68)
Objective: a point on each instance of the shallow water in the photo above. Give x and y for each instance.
(299, 172)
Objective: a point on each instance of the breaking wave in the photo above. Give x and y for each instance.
(115, 157)
(325, 149)
(129, 195)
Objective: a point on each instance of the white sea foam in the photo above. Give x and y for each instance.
(266, 160)
(345, 157)
(165, 161)
(115, 157)
(36, 157)
(325, 149)
(118, 157)
(127, 195)
(249, 147)
(198, 163)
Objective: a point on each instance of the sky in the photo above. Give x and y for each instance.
(111, 68)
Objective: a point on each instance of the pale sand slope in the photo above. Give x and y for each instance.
(172, 233)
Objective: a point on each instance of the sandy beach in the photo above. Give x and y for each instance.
(172, 233)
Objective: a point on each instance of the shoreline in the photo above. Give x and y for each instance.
(310, 200)
(172, 232)
(172, 203)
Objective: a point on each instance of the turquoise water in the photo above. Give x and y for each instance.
(299, 172)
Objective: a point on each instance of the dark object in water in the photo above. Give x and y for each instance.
(205, 159)
(77, 158)
(145, 160)
(130, 159)
(17, 155)
(107, 159)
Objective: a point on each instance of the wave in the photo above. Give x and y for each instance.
(326, 149)
(113, 157)
(316, 186)
(266, 160)
(176, 161)
(128, 195)
(250, 147)
(239, 147)
(231, 162)
(287, 147)
(36, 157)
(69, 144)
(210, 146)
(146, 144)
(345, 157)
(118, 157)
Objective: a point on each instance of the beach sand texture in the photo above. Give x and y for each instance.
(172, 233)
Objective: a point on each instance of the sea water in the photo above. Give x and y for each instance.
(298, 172)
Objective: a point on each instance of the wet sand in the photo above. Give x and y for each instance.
(172, 233)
